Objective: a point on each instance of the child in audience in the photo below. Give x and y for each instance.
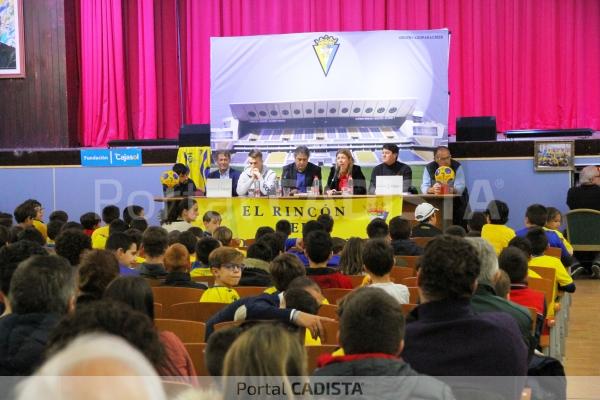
(177, 264)
(284, 269)
(100, 235)
(400, 232)
(226, 265)
(298, 249)
(524, 245)
(54, 228)
(301, 300)
(24, 214)
(154, 245)
(58, 215)
(98, 268)
(181, 215)
(6, 219)
(495, 231)
(327, 221)
(211, 221)
(216, 348)
(378, 258)
(553, 224)
(378, 228)
(224, 235)
(318, 251)
(338, 247)
(262, 231)
(284, 227)
(124, 247)
(90, 222)
(203, 249)
(189, 240)
(475, 224)
(131, 212)
(38, 220)
(539, 244)
(351, 261)
(139, 223)
(502, 284)
(71, 244)
(426, 216)
(455, 230)
(256, 265)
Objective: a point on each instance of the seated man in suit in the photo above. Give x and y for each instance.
(223, 158)
(300, 175)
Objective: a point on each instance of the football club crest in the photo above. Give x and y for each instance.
(326, 48)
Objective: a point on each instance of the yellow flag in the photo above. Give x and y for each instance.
(198, 161)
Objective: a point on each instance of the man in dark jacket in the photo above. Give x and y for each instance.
(42, 290)
(371, 334)
(400, 233)
(300, 175)
(391, 166)
(223, 159)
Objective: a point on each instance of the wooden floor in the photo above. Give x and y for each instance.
(582, 360)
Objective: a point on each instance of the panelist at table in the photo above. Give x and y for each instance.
(391, 167)
(299, 176)
(256, 179)
(223, 158)
(342, 171)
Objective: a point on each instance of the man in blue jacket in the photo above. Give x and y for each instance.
(224, 171)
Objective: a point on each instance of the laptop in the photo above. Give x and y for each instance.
(218, 187)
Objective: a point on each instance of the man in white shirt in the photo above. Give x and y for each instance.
(256, 176)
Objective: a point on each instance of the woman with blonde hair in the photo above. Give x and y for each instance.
(342, 171)
(265, 350)
(351, 262)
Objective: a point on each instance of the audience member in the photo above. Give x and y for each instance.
(139, 223)
(181, 214)
(131, 212)
(475, 223)
(539, 243)
(71, 244)
(211, 221)
(456, 230)
(216, 348)
(226, 265)
(197, 231)
(98, 268)
(124, 248)
(256, 266)
(224, 235)
(42, 290)
(4, 236)
(100, 235)
(495, 231)
(351, 260)
(90, 222)
(189, 240)
(378, 228)
(284, 227)
(338, 245)
(24, 214)
(502, 285)
(6, 219)
(400, 232)
(204, 247)
(327, 221)
(31, 234)
(58, 215)
(73, 225)
(177, 264)
(427, 219)
(154, 245)
(54, 229)
(318, 251)
(378, 258)
(262, 231)
(118, 225)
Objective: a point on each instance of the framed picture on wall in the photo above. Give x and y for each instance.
(554, 155)
(12, 52)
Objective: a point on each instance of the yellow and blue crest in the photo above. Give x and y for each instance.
(326, 48)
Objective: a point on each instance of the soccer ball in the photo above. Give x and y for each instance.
(444, 175)
(169, 178)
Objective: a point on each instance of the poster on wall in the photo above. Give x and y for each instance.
(12, 52)
(330, 90)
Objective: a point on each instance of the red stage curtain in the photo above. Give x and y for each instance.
(531, 63)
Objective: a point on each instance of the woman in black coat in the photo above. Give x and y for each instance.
(345, 168)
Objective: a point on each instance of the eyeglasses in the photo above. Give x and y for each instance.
(233, 267)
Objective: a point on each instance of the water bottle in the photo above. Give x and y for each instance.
(278, 188)
(316, 186)
(257, 189)
(251, 190)
(350, 187)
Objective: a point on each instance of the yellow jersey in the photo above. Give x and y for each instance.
(41, 227)
(564, 241)
(99, 237)
(219, 294)
(497, 235)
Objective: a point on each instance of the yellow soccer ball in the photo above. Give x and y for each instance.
(444, 175)
(169, 178)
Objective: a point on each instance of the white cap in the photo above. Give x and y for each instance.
(424, 211)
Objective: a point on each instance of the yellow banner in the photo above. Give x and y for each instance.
(351, 214)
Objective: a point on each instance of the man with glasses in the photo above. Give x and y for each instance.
(300, 175)
(443, 158)
(256, 179)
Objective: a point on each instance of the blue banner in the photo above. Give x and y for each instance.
(111, 157)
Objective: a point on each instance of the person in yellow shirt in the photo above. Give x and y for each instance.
(524, 245)
(495, 231)
(553, 224)
(204, 247)
(100, 235)
(226, 265)
(539, 243)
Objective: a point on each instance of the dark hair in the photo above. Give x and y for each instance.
(131, 212)
(255, 154)
(14, 232)
(318, 246)
(276, 241)
(225, 153)
(53, 228)
(456, 230)
(371, 321)
(224, 235)
(189, 240)
(89, 220)
(119, 240)
(110, 213)
(513, 261)
(284, 269)
(327, 221)
(204, 247)
(32, 234)
(197, 231)
(377, 228)
(378, 257)
(58, 215)
(6, 219)
(302, 150)
(210, 215)
(300, 300)
(216, 347)
(539, 240)
(351, 258)
(284, 226)
(391, 147)
(449, 268)
(23, 211)
(71, 244)
(173, 237)
(338, 244)
(260, 251)
(552, 213)
(311, 226)
(139, 223)
(133, 291)
(438, 149)
(181, 169)
(522, 244)
(71, 225)
(117, 225)
(502, 284)
(537, 214)
(498, 212)
(155, 241)
(303, 282)
(4, 235)
(111, 317)
(176, 208)
(97, 269)
(42, 284)
(399, 228)
(262, 231)
(135, 235)
(10, 257)
(477, 221)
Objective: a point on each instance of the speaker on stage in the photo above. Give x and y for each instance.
(475, 129)
(194, 135)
